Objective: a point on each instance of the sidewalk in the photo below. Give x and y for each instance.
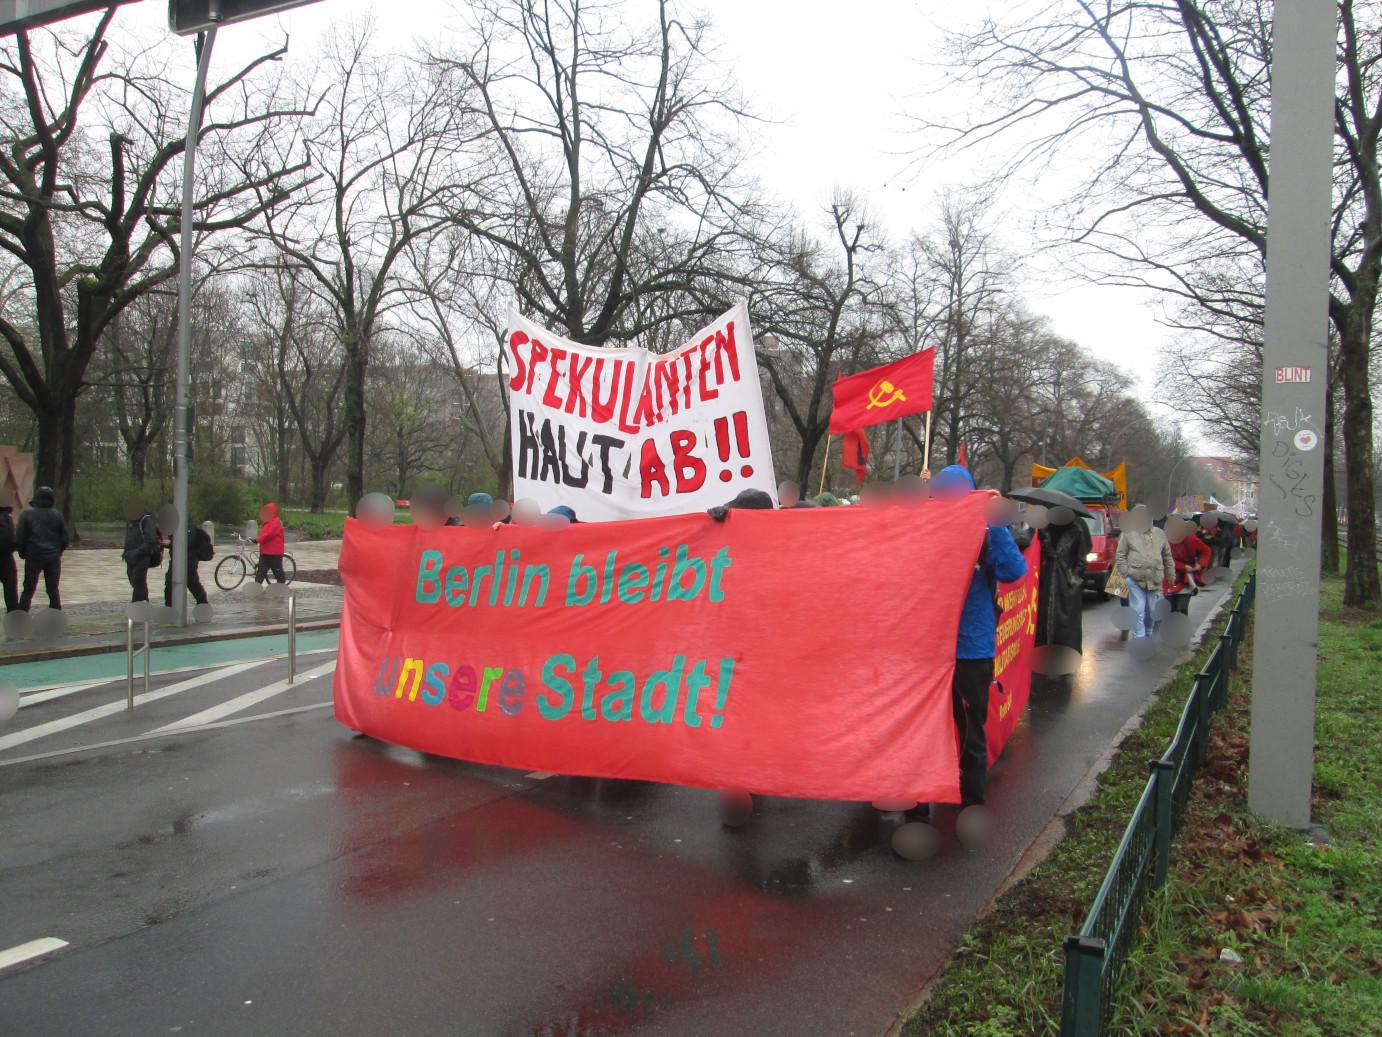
(95, 597)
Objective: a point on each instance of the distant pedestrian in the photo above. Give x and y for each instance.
(41, 539)
(271, 543)
(9, 574)
(199, 549)
(1144, 561)
(1060, 591)
(143, 549)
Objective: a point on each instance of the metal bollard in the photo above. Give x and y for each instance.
(130, 653)
(292, 637)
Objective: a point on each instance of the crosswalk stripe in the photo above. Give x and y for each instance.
(115, 742)
(86, 716)
(32, 949)
(46, 693)
(243, 702)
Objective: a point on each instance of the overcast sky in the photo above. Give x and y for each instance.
(837, 82)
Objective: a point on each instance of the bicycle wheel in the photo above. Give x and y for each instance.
(290, 568)
(230, 572)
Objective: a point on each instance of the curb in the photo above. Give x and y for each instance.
(39, 655)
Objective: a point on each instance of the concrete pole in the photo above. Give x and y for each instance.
(1294, 376)
(178, 559)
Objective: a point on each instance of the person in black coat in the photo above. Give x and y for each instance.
(41, 539)
(9, 575)
(143, 550)
(1060, 594)
(199, 549)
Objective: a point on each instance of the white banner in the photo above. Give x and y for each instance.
(625, 433)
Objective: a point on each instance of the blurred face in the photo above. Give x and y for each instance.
(789, 494)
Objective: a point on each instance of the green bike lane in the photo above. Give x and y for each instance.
(112, 665)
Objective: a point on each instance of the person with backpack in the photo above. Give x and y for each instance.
(40, 540)
(999, 561)
(143, 549)
(271, 543)
(199, 549)
(9, 574)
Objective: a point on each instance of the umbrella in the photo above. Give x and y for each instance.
(1050, 499)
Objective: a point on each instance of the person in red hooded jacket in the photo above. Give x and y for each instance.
(1192, 557)
(270, 545)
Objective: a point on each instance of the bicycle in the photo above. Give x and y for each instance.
(232, 569)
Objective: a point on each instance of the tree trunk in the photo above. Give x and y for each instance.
(139, 461)
(1360, 577)
(806, 477)
(55, 459)
(354, 418)
(1329, 515)
(319, 476)
(282, 450)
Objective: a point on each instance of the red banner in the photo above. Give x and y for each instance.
(678, 649)
(883, 393)
(1012, 660)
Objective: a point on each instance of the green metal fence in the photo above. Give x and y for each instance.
(1095, 956)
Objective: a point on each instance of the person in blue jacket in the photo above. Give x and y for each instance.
(999, 562)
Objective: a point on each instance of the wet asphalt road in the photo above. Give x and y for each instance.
(281, 876)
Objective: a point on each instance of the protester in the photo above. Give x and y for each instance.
(1060, 592)
(1191, 556)
(199, 549)
(41, 539)
(1144, 561)
(747, 500)
(999, 562)
(9, 575)
(143, 549)
(789, 496)
(270, 541)
(567, 513)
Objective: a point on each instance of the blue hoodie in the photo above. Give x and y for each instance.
(978, 627)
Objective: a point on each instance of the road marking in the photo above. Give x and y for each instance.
(243, 702)
(46, 693)
(157, 734)
(53, 727)
(32, 949)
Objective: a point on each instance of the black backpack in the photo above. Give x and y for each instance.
(135, 546)
(200, 546)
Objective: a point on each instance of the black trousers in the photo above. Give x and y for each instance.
(268, 564)
(51, 570)
(969, 695)
(194, 585)
(138, 572)
(9, 576)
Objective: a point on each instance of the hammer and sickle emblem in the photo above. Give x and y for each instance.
(884, 394)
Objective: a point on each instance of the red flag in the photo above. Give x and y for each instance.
(856, 454)
(960, 457)
(883, 393)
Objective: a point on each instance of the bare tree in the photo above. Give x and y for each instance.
(88, 202)
(1177, 96)
(603, 137)
(388, 139)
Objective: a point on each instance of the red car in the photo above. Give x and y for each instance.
(1103, 534)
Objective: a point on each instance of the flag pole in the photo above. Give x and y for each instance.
(897, 455)
(824, 461)
(926, 449)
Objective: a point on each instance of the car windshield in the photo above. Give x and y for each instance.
(1095, 522)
